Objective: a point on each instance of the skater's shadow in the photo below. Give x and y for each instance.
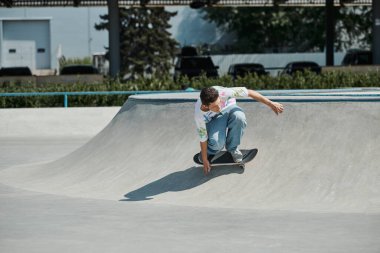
(180, 181)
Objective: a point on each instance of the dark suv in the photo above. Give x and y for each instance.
(79, 70)
(357, 57)
(300, 66)
(193, 66)
(15, 71)
(242, 69)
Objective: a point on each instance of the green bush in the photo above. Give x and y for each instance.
(307, 80)
(74, 61)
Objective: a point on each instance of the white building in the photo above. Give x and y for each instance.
(25, 42)
(34, 37)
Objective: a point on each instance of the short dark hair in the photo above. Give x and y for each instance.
(209, 95)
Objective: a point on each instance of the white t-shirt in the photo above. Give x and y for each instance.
(227, 98)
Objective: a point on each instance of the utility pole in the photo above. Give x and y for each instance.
(376, 32)
(114, 37)
(330, 32)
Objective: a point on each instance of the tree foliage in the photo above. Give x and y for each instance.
(290, 29)
(146, 46)
(354, 27)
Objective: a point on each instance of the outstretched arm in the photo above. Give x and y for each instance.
(276, 107)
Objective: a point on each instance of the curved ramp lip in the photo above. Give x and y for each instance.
(298, 96)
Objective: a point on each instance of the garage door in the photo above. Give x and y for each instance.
(19, 54)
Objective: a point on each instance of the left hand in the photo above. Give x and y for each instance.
(277, 107)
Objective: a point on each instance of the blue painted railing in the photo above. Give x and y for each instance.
(289, 93)
(81, 93)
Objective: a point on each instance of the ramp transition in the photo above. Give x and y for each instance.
(320, 155)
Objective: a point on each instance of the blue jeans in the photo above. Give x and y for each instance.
(226, 129)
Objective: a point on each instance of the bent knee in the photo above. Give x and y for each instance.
(215, 144)
(239, 116)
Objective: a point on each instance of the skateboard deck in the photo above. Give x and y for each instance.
(225, 158)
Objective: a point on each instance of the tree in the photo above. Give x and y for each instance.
(354, 27)
(146, 46)
(290, 29)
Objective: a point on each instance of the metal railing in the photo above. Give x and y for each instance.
(339, 94)
(82, 93)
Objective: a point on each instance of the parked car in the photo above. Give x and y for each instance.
(357, 57)
(15, 71)
(79, 70)
(242, 69)
(189, 51)
(194, 66)
(292, 67)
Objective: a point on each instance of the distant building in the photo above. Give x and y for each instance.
(37, 37)
(25, 42)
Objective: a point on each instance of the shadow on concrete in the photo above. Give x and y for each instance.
(180, 181)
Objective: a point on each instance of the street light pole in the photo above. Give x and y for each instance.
(114, 37)
(376, 32)
(330, 32)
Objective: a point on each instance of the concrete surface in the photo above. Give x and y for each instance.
(18, 151)
(35, 222)
(314, 186)
(54, 123)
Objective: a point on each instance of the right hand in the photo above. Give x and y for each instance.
(277, 107)
(206, 166)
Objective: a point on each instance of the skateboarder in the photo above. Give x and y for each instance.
(221, 123)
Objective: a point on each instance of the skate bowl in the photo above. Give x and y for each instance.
(320, 155)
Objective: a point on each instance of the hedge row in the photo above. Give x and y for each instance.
(307, 80)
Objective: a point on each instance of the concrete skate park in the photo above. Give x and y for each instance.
(122, 179)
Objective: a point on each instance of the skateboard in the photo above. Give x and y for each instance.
(225, 158)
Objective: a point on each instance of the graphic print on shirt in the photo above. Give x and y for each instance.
(227, 97)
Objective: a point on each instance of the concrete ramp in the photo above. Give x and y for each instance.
(320, 155)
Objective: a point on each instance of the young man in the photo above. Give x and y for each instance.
(221, 123)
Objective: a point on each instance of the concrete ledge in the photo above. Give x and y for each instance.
(324, 95)
(54, 122)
